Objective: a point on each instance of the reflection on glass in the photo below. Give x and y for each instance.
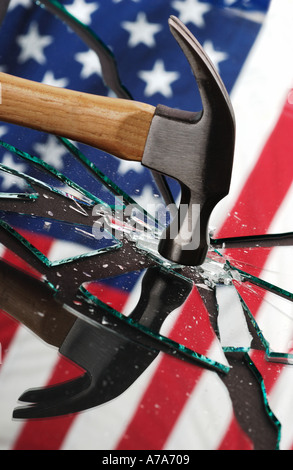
(22, 189)
(247, 296)
(162, 293)
(78, 241)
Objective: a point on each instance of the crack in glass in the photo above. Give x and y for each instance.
(225, 274)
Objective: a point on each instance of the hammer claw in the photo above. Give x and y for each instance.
(104, 354)
(56, 392)
(70, 397)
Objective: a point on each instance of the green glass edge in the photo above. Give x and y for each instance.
(43, 258)
(272, 356)
(45, 166)
(174, 345)
(269, 412)
(105, 179)
(72, 21)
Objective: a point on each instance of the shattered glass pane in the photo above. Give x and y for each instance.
(76, 241)
(271, 264)
(172, 315)
(38, 172)
(21, 188)
(247, 299)
(233, 329)
(271, 316)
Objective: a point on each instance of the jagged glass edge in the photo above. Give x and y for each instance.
(109, 184)
(19, 195)
(256, 280)
(80, 28)
(105, 179)
(254, 241)
(271, 356)
(40, 183)
(57, 174)
(231, 349)
(261, 283)
(64, 179)
(44, 259)
(77, 153)
(205, 361)
(43, 165)
(270, 414)
(268, 409)
(23, 196)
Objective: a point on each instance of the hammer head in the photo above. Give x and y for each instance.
(197, 150)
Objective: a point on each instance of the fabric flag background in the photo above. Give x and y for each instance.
(251, 44)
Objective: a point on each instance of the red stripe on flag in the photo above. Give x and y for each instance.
(267, 185)
(172, 383)
(235, 438)
(270, 371)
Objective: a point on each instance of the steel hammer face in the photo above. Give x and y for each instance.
(197, 150)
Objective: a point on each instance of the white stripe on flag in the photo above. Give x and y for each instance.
(105, 424)
(258, 97)
(27, 364)
(275, 315)
(205, 417)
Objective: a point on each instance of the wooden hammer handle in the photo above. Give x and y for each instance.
(118, 127)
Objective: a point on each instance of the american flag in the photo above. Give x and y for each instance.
(172, 406)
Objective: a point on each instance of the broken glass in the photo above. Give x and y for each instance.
(22, 189)
(230, 277)
(77, 241)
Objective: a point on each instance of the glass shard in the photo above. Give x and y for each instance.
(20, 186)
(233, 329)
(65, 242)
(171, 316)
(272, 317)
(39, 172)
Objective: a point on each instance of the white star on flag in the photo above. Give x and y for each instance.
(49, 79)
(33, 44)
(51, 152)
(3, 131)
(191, 11)
(82, 10)
(23, 3)
(90, 63)
(158, 80)
(215, 56)
(141, 31)
(125, 166)
(8, 180)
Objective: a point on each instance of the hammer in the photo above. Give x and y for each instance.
(112, 353)
(195, 148)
